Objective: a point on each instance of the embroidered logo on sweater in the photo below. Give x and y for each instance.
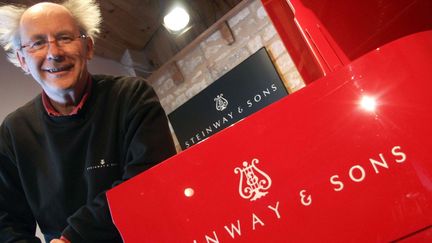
(102, 164)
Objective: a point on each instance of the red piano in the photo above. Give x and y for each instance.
(346, 159)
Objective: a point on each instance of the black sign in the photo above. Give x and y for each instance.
(247, 88)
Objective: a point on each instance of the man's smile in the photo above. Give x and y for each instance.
(58, 69)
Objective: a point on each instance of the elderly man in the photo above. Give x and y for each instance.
(81, 136)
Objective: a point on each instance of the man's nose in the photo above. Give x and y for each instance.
(54, 52)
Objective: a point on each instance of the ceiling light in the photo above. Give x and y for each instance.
(177, 19)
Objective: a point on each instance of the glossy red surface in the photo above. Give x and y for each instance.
(307, 144)
(293, 38)
(322, 36)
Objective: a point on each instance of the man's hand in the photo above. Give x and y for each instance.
(57, 241)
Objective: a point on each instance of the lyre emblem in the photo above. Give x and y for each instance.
(221, 102)
(254, 183)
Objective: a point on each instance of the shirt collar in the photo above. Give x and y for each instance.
(49, 108)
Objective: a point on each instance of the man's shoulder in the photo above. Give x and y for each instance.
(122, 86)
(118, 81)
(25, 112)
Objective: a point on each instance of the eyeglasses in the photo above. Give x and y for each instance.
(61, 41)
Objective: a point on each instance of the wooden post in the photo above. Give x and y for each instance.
(226, 33)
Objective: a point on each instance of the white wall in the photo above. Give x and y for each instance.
(16, 88)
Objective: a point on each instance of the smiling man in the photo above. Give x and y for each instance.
(55, 53)
(81, 136)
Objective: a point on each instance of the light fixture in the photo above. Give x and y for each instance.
(176, 19)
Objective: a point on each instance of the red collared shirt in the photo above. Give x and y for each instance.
(49, 108)
(65, 239)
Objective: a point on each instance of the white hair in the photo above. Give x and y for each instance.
(86, 12)
(88, 15)
(9, 35)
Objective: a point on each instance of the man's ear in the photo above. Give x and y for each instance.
(22, 61)
(90, 48)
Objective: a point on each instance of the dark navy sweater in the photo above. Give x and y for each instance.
(55, 170)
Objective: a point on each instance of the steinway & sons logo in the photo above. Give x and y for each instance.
(101, 164)
(254, 183)
(236, 112)
(221, 102)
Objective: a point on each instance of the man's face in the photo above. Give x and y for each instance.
(57, 67)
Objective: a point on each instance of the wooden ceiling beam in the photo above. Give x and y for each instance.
(131, 28)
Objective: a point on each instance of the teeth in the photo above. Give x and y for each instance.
(53, 70)
(58, 69)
